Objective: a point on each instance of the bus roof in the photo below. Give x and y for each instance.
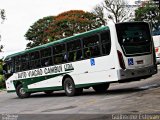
(84, 34)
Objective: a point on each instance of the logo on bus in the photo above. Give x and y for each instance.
(92, 61)
(130, 61)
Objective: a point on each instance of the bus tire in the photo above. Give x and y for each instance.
(48, 92)
(21, 93)
(69, 87)
(101, 88)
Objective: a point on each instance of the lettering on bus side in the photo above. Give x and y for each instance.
(35, 73)
(53, 69)
(68, 67)
(45, 71)
(22, 75)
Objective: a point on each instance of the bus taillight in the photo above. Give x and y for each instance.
(121, 60)
(156, 49)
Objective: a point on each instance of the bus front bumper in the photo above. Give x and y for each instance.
(136, 74)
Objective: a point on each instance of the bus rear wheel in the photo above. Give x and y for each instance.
(101, 88)
(69, 87)
(21, 93)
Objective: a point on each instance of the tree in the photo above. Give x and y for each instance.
(98, 10)
(2, 17)
(37, 33)
(116, 10)
(63, 25)
(149, 12)
(2, 82)
(73, 22)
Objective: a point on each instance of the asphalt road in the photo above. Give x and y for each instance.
(140, 97)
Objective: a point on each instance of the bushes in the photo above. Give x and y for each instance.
(2, 82)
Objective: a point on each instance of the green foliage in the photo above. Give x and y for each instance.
(149, 13)
(63, 25)
(1, 69)
(2, 82)
(37, 32)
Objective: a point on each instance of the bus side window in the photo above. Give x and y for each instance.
(34, 60)
(25, 62)
(74, 50)
(106, 42)
(59, 54)
(17, 63)
(87, 52)
(46, 58)
(8, 69)
(91, 46)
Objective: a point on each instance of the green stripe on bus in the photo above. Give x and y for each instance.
(44, 89)
(29, 81)
(61, 87)
(56, 87)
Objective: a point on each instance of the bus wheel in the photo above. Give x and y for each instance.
(101, 88)
(21, 93)
(69, 87)
(48, 92)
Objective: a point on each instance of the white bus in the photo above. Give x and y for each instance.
(156, 41)
(119, 52)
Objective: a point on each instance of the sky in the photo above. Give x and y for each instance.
(21, 14)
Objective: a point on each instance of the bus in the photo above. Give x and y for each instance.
(156, 41)
(120, 52)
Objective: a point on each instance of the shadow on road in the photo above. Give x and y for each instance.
(91, 92)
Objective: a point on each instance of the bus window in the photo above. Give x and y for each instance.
(25, 62)
(59, 49)
(74, 50)
(34, 60)
(46, 58)
(134, 38)
(106, 42)
(91, 41)
(45, 52)
(75, 55)
(74, 45)
(46, 61)
(18, 64)
(8, 68)
(91, 46)
(59, 52)
(105, 37)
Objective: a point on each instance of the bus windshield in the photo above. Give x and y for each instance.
(134, 38)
